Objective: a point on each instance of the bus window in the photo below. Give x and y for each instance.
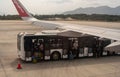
(28, 44)
(90, 50)
(65, 52)
(81, 50)
(38, 45)
(35, 45)
(65, 46)
(75, 44)
(56, 43)
(47, 53)
(47, 47)
(41, 45)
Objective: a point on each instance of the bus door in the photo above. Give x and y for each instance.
(38, 48)
(85, 51)
(65, 48)
(28, 48)
(73, 47)
(81, 52)
(88, 52)
(41, 48)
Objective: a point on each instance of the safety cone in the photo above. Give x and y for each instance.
(19, 65)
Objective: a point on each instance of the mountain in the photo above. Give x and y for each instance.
(96, 10)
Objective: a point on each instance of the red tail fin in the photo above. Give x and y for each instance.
(21, 9)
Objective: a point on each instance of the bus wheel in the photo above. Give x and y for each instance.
(55, 56)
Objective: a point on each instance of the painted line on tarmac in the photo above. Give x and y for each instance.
(3, 68)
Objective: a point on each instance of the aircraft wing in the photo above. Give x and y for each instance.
(112, 34)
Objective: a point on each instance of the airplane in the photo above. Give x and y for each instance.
(112, 34)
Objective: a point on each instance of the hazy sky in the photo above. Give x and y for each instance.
(54, 6)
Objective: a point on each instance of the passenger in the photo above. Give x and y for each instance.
(75, 48)
(75, 45)
(41, 47)
(41, 50)
(35, 57)
(71, 56)
(95, 47)
(35, 46)
(99, 48)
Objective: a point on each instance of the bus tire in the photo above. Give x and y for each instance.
(55, 56)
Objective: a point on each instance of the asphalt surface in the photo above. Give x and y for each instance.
(88, 67)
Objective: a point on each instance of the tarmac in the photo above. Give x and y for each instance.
(87, 67)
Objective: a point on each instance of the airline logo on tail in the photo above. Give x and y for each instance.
(20, 8)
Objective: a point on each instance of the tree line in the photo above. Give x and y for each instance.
(10, 17)
(93, 17)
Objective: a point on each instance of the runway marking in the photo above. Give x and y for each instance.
(3, 68)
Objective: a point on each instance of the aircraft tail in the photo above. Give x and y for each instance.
(23, 13)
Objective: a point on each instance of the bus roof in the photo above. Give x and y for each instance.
(58, 33)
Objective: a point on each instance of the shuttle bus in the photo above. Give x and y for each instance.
(56, 46)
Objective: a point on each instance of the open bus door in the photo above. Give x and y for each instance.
(38, 49)
(73, 48)
(34, 48)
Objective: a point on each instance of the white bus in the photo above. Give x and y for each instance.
(45, 46)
